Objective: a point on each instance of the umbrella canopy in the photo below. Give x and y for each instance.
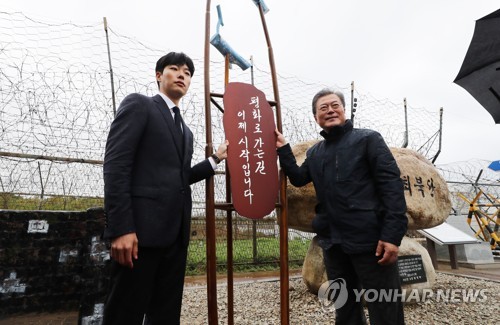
(495, 165)
(480, 71)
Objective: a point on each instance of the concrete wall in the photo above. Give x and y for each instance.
(51, 261)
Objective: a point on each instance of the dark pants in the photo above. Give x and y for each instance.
(153, 287)
(363, 271)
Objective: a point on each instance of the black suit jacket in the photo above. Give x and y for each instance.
(147, 174)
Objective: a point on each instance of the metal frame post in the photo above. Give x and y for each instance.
(283, 219)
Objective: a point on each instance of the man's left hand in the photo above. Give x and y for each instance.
(280, 139)
(388, 251)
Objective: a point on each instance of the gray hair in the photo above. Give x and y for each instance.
(325, 92)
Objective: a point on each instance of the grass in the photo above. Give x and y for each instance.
(64, 203)
(266, 259)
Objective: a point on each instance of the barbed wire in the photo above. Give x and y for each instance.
(56, 101)
(468, 178)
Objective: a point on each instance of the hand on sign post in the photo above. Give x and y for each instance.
(280, 139)
(222, 150)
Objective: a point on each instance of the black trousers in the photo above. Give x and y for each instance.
(363, 271)
(153, 287)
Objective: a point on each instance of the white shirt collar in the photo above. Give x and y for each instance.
(167, 100)
(170, 105)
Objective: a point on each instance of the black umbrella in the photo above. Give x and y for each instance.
(480, 71)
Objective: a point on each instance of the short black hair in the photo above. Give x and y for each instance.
(174, 58)
(326, 92)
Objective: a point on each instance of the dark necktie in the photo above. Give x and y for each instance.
(178, 122)
(177, 118)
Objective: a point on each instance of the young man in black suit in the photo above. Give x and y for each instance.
(147, 194)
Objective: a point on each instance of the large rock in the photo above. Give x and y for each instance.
(301, 200)
(426, 192)
(314, 274)
(313, 269)
(410, 246)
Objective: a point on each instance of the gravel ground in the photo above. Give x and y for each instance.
(259, 303)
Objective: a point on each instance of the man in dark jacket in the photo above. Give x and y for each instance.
(360, 213)
(147, 198)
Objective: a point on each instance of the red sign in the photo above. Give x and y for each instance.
(252, 159)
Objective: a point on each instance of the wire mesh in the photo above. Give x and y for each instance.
(56, 103)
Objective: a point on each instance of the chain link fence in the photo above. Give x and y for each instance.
(57, 103)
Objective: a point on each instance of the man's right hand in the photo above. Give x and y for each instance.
(124, 249)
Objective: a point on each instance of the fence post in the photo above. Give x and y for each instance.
(354, 103)
(405, 143)
(440, 134)
(110, 66)
(5, 205)
(41, 185)
(254, 240)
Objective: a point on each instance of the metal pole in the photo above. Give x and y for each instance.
(405, 144)
(440, 134)
(230, 271)
(254, 222)
(209, 198)
(477, 179)
(229, 214)
(50, 158)
(284, 284)
(251, 70)
(110, 67)
(41, 185)
(352, 103)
